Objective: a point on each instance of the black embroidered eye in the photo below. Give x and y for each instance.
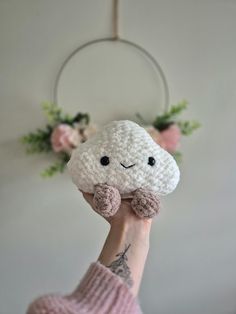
(151, 161)
(105, 161)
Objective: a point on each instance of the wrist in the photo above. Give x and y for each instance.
(130, 237)
(143, 225)
(136, 231)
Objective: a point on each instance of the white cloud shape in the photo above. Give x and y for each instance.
(128, 147)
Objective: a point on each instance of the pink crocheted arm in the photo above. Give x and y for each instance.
(99, 292)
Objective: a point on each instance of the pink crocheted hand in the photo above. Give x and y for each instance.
(107, 202)
(145, 203)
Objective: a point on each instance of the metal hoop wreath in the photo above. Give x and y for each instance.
(149, 57)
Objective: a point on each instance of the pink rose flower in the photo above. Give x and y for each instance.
(170, 138)
(64, 138)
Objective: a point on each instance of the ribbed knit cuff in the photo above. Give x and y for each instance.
(102, 292)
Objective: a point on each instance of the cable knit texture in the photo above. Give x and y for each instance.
(125, 157)
(99, 292)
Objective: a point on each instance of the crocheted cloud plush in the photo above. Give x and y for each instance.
(123, 161)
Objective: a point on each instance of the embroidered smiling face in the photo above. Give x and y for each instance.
(124, 156)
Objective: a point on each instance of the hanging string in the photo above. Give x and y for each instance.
(115, 20)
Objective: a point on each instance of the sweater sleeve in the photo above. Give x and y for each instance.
(99, 292)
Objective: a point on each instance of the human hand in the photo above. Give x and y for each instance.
(125, 214)
(128, 237)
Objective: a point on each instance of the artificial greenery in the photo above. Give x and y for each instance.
(187, 127)
(53, 169)
(52, 112)
(170, 117)
(58, 166)
(40, 140)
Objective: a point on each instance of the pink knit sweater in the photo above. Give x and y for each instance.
(99, 292)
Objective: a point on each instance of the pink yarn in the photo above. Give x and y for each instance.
(145, 203)
(99, 292)
(106, 199)
(64, 138)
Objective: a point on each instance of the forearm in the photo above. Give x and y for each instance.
(125, 250)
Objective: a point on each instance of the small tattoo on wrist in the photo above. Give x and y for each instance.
(121, 268)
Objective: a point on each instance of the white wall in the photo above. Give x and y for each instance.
(48, 235)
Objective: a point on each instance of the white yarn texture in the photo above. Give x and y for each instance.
(124, 142)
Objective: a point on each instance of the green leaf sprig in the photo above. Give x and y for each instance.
(40, 140)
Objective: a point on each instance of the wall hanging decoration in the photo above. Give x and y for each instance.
(64, 132)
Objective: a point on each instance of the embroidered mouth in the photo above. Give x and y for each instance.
(126, 167)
